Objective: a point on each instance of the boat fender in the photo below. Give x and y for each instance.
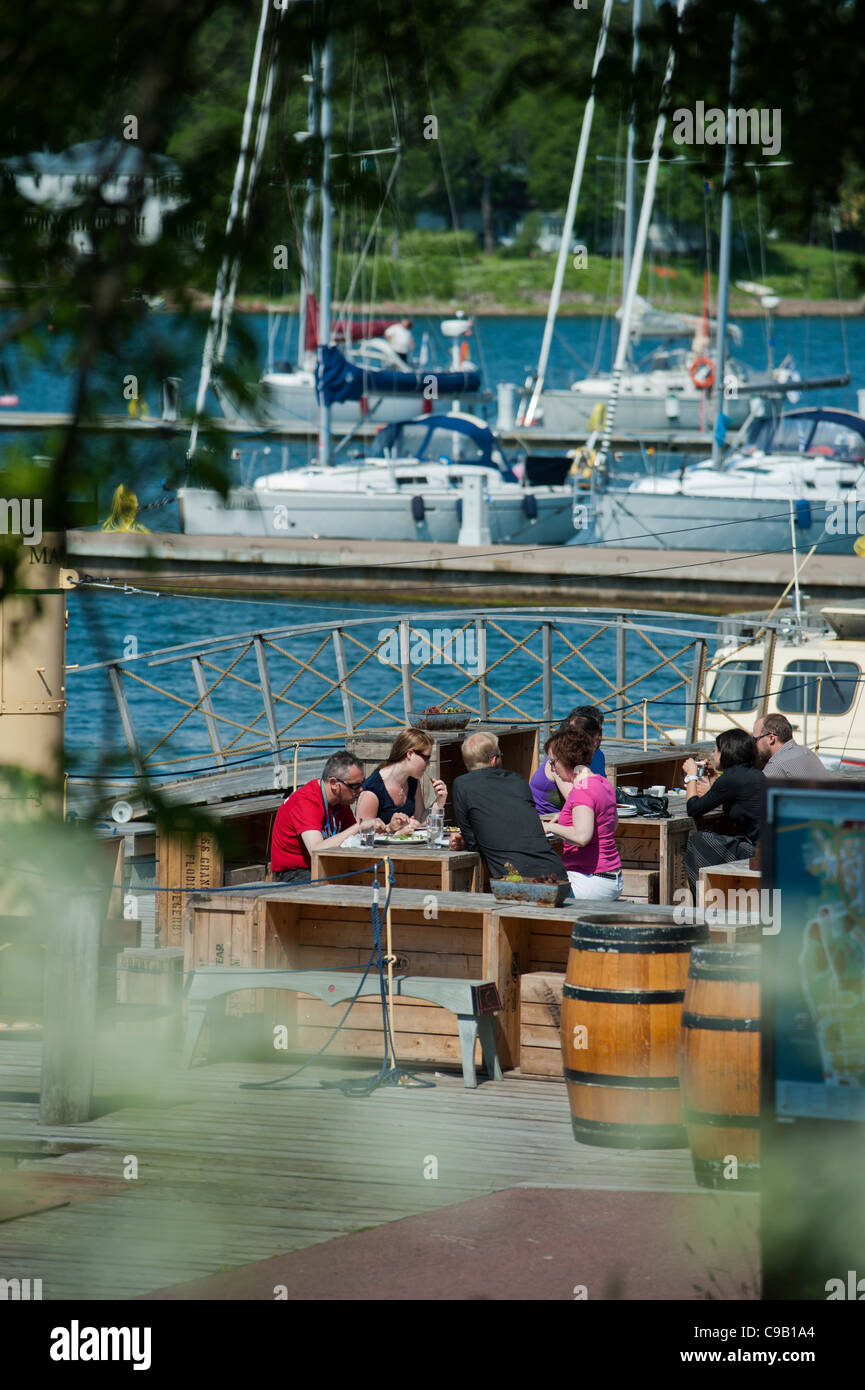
(530, 505)
(803, 513)
(418, 510)
(702, 373)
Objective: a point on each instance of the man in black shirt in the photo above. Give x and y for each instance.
(496, 814)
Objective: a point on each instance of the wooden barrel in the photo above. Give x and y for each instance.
(721, 1066)
(621, 1025)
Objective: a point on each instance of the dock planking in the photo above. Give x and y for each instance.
(227, 1176)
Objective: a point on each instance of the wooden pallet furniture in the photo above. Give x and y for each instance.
(457, 936)
(472, 1001)
(647, 844)
(417, 866)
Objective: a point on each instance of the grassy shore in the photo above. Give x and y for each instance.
(436, 272)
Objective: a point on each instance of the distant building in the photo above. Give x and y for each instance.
(57, 182)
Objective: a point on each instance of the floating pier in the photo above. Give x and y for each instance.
(428, 572)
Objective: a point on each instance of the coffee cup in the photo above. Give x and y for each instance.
(657, 791)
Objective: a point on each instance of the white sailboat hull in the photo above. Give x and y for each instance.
(644, 404)
(385, 517)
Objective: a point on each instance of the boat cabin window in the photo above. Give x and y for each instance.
(800, 683)
(835, 441)
(736, 686)
(791, 434)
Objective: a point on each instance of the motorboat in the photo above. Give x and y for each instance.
(805, 467)
(439, 477)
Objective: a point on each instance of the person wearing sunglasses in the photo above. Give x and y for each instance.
(318, 815)
(394, 792)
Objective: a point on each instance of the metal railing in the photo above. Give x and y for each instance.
(264, 693)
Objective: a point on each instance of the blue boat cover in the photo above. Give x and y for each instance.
(339, 380)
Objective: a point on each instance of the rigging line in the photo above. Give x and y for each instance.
(371, 235)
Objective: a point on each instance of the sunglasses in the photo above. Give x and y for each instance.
(426, 756)
(352, 786)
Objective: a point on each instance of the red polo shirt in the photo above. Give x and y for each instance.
(303, 810)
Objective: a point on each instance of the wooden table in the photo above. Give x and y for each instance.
(417, 866)
(645, 842)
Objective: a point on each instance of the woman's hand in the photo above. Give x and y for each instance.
(441, 791)
(689, 767)
(372, 823)
(400, 821)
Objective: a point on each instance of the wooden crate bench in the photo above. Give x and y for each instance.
(328, 926)
(472, 1001)
(648, 844)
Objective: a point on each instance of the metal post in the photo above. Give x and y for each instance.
(342, 672)
(324, 268)
(206, 707)
(483, 692)
(126, 718)
(547, 657)
(621, 674)
(817, 716)
(71, 986)
(267, 699)
(405, 665)
(695, 693)
(769, 643)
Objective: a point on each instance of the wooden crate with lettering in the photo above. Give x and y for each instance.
(185, 864)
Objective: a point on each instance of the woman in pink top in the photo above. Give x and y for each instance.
(587, 822)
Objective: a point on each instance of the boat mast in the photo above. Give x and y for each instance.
(324, 456)
(564, 245)
(724, 256)
(306, 236)
(222, 282)
(628, 233)
(637, 259)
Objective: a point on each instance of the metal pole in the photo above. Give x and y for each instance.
(483, 692)
(570, 214)
(547, 669)
(267, 699)
(696, 691)
(639, 252)
(206, 707)
(621, 674)
(324, 457)
(405, 664)
(342, 672)
(628, 232)
(724, 254)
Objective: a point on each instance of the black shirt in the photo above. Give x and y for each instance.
(741, 791)
(496, 814)
(386, 807)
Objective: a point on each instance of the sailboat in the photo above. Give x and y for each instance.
(438, 477)
(789, 475)
(671, 389)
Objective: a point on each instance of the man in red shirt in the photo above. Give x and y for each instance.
(319, 813)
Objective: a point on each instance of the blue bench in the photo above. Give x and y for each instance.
(473, 1001)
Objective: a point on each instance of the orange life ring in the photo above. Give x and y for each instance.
(702, 373)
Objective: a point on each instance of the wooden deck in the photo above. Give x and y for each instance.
(227, 1176)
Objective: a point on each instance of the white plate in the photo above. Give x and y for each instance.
(625, 811)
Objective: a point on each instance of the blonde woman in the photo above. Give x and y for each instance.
(393, 792)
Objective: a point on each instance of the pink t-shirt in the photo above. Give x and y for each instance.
(600, 855)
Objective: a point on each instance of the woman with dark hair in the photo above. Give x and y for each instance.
(587, 821)
(739, 790)
(393, 792)
(545, 792)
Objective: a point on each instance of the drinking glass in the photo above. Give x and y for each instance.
(367, 838)
(435, 826)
